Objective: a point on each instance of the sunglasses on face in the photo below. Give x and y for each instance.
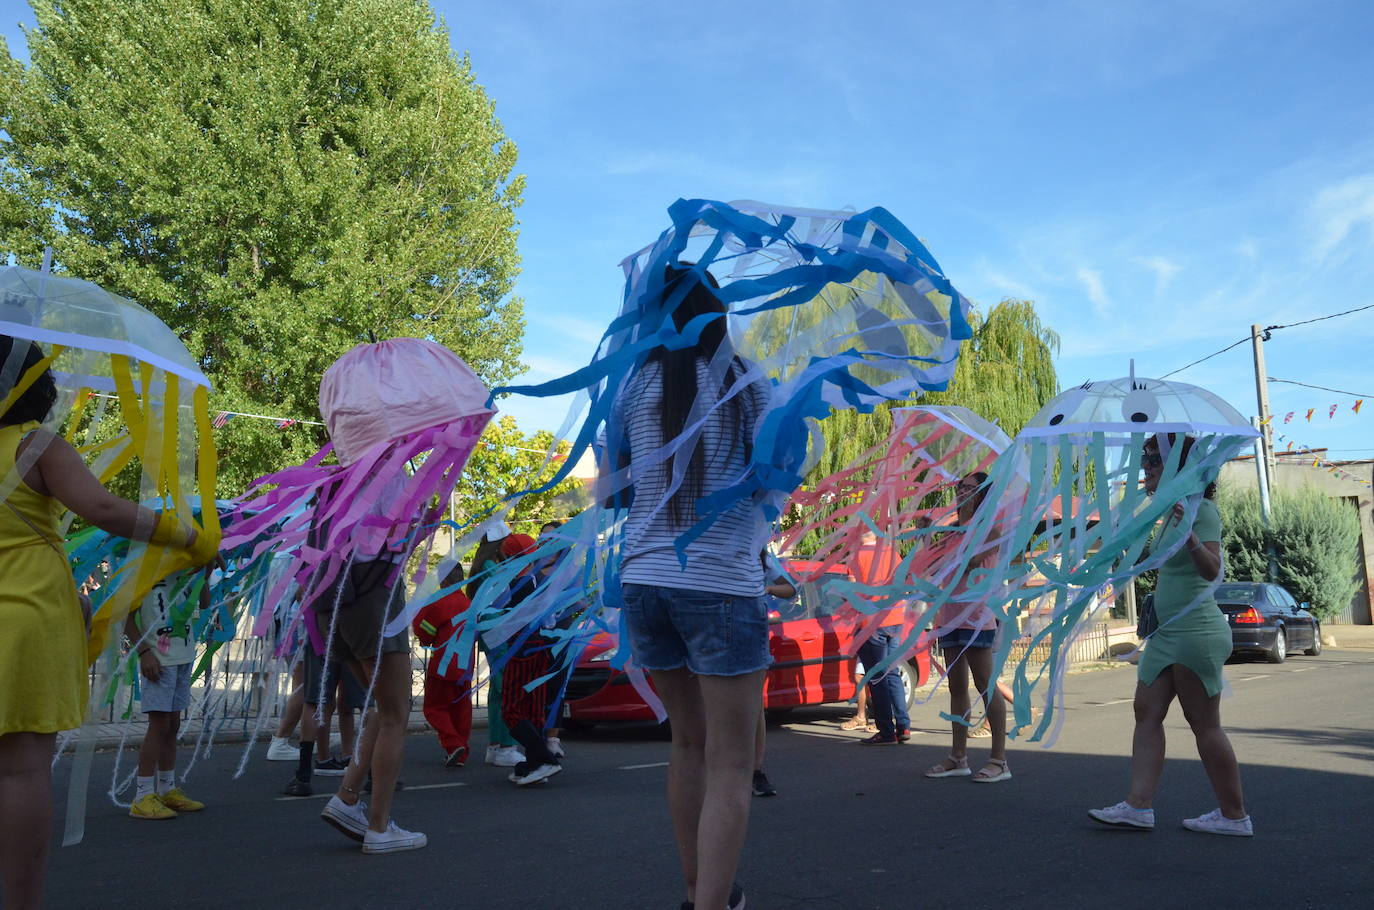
(1151, 460)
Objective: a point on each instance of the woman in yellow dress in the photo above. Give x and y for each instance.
(43, 666)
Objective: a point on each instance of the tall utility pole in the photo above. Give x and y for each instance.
(1264, 458)
(1257, 339)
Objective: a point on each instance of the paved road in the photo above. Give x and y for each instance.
(854, 827)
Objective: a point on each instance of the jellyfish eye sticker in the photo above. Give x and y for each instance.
(1140, 405)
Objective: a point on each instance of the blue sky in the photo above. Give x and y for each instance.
(1155, 175)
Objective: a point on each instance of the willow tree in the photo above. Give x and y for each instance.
(1005, 373)
(277, 180)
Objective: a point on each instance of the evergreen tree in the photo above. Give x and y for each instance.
(1315, 539)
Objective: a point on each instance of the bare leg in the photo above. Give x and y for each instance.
(980, 663)
(1147, 743)
(25, 816)
(348, 731)
(153, 747)
(760, 740)
(959, 704)
(384, 737)
(1203, 713)
(681, 696)
(291, 712)
(322, 751)
(167, 754)
(732, 706)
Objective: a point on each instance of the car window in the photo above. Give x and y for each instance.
(1237, 594)
(820, 597)
(1286, 599)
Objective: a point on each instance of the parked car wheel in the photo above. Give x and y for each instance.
(1278, 653)
(1316, 641)
(910, 682)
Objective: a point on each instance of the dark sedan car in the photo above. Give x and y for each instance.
(1265, 619)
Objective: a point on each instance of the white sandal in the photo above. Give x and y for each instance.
(1004, 774)
(960, 769)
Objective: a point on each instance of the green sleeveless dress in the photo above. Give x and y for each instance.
(1195, 635)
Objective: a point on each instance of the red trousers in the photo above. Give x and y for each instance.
(448, 709)
(518, 704)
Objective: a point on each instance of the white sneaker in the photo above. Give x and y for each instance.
(1215, 823)
(534, 775)
(555, 745)
(351, 820)
(491, 754)
(1124, 815)
(393, 840)
(280, 749)
(507, 757)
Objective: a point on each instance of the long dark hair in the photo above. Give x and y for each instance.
(1177, 439)
(679, 373)
(488, 550)
(37, 401)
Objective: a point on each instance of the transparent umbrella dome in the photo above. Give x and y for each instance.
(92, 324)
(1137, 405)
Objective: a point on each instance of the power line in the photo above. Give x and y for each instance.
(1322, 388)
(1208, 357)
(1320, 318)
(1267, 330)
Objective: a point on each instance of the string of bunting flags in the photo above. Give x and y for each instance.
(1317, 461)
(221, 418)
(1330, 411)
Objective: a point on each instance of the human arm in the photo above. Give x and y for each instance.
(148, 664)
(61, 473)
(1203, 542)
(781, 588)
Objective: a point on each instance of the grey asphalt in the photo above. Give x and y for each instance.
(854, 827)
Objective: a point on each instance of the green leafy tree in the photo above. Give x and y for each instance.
(506, 461)
(278, 180)
(1315, 540)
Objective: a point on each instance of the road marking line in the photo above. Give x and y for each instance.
(1248, 678)
(293, 799)
(1119, 701)
(655, 764)
(1301, 669)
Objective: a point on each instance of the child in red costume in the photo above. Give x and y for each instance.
(448, 694)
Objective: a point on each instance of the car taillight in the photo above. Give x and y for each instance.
(1250, 617)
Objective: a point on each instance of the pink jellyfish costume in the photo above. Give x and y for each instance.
(403, 416)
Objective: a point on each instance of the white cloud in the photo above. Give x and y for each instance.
(1340, 211)
(1164, 270)
(1091, 280)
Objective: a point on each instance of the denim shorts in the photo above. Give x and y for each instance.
(709, 633)
(958, 639)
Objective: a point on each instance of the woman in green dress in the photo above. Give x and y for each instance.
(1183, 660)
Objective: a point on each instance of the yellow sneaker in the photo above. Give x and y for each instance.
(178, 801)
(150, 806)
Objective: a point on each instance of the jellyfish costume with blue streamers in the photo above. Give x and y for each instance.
(829, 310)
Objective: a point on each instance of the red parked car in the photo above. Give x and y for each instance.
(812, 642)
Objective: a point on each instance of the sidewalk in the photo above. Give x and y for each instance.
(1348, 636)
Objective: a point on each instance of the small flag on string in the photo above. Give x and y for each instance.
(1290, 445)
(1310, 412)
(221, 418)
(283, 424)
(1316, 462)
(1331, 413)
(1287, 417)
(1356, 406)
